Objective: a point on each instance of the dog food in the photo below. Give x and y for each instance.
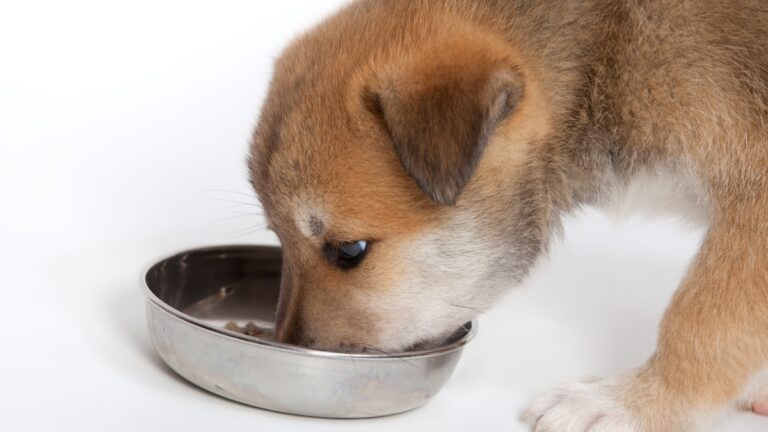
(250, 329)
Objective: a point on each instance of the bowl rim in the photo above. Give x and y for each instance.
(470, 327)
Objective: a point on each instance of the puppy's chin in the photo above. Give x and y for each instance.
(421, 345)
(347, 348)
(437, 342)
(426, 345)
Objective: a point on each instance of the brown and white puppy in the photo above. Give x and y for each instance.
(415, 158)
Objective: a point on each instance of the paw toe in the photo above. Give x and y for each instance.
(580, 407)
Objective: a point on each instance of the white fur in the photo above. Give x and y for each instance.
(667, 191)
(580, 407)
(443, 286)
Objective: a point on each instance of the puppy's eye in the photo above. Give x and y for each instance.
(346, 255)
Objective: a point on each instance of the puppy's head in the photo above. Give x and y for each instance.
(390, 160)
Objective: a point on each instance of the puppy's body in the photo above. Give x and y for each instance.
(453, 135)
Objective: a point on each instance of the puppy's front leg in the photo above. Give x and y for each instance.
(713, 341)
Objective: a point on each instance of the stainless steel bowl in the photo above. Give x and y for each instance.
(191, 296)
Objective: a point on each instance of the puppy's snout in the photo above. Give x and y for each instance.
(289, 329)
(288, 326)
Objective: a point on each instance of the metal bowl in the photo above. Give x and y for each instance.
(191, 296)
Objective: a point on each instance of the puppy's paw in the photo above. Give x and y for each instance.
(593, 406)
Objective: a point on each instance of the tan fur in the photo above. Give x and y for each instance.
(453, 135)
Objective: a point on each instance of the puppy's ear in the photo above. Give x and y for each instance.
(440, 109)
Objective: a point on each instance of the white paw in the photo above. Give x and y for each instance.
(581, 407)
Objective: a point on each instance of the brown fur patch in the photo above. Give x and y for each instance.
(440, 105)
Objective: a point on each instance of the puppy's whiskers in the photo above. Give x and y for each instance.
(237, 203)
(237, 216)
(234, 209)
(239, 208)
(474, 309)
(390, 354)
(250, 195)
(248, 230)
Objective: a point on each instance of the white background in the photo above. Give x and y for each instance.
(121, 125)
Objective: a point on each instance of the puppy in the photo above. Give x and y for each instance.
(415, 158)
